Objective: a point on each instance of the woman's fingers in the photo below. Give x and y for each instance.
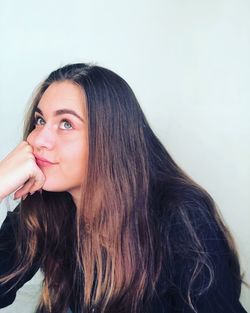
(34, 184)
(25, 189)
(19, 172)
(39, 182)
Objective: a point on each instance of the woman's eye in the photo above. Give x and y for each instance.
(38, 120)
(66, 124)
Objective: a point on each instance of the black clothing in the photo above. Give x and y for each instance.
(221, 297)
(7, 259)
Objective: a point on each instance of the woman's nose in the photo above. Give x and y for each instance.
(44, 137)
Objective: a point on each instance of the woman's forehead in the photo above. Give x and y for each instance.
(63, 95)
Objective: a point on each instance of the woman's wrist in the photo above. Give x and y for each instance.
(1, 198)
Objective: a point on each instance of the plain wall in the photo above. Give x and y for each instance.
(187, 61)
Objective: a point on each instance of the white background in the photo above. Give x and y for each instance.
(188, 62)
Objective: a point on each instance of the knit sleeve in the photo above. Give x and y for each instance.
(7, 260)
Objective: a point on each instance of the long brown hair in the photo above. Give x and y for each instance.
(133, 191)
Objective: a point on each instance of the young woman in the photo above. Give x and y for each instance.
(115, 225)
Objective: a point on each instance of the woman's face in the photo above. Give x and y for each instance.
(61, 137)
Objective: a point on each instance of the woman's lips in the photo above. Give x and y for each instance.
(43, 162)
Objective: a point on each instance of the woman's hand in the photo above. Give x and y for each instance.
(18, 170)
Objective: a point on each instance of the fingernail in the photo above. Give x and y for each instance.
(31, 193)
(24, 197)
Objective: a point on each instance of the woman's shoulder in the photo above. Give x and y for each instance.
(193, 229)
(187, 208)
(199, 257)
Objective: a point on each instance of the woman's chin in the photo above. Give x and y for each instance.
(53, 188)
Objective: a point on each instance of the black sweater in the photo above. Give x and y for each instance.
(221, 297)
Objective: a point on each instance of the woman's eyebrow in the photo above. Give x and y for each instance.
(61, 112)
